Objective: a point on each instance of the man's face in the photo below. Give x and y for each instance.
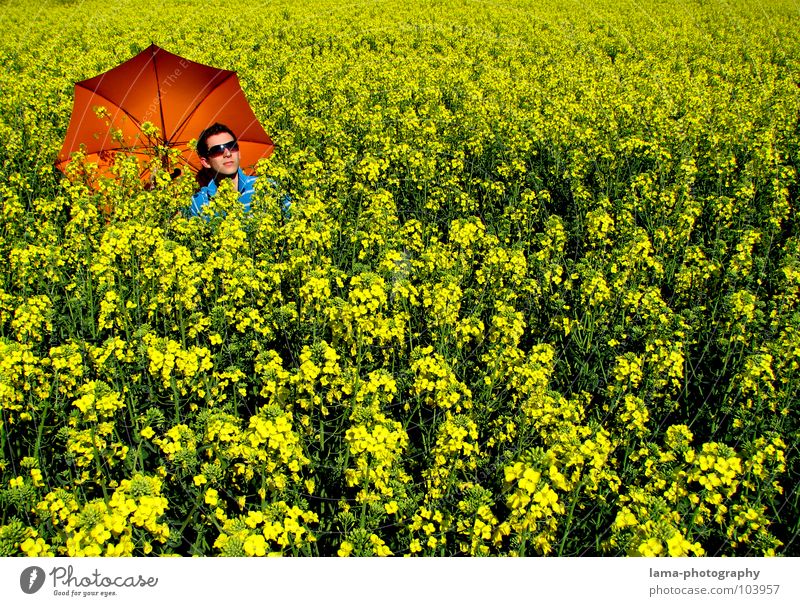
(223, 162)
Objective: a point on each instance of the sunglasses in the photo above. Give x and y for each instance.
(217, 150)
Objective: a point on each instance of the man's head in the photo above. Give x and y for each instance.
(219, 150)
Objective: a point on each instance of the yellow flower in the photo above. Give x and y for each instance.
(35, 547)
(212, 497)
(650, 548)
(255, 545)
(345, 549)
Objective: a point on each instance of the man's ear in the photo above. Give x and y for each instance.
(204, 162)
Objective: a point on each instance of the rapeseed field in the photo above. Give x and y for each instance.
(537, 292)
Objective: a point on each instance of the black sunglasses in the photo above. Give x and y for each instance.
(217, 150)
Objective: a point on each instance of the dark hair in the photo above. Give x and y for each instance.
(214, 129)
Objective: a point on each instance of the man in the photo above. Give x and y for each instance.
(219, 154)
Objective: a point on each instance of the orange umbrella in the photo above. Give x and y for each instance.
(177, 96)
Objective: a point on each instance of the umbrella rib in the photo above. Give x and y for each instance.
(189, 114)
(117, 105)
(139, 149)
(158, 92)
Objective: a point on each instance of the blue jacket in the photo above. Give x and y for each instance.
(246, 188)
(201, 198)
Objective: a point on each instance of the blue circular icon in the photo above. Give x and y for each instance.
(31, 579)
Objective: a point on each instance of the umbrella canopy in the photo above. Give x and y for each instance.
(179, 97)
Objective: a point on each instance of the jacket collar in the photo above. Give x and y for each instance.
(244, 182)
